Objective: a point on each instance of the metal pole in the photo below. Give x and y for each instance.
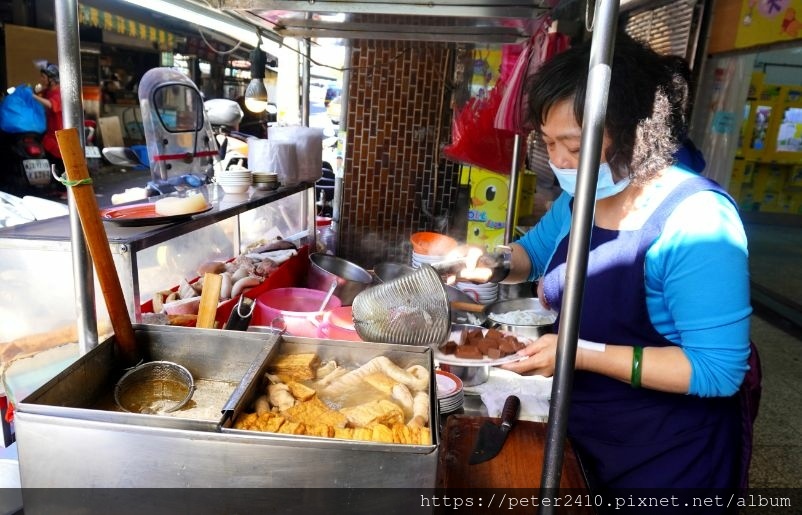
(306, 75)
(509, 227)
(579, 242)
(69, 60)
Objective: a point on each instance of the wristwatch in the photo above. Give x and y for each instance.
(501, 270)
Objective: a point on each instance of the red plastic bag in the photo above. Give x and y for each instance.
(511, 115)
(474, 139)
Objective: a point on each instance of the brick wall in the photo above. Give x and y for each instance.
(396, 179)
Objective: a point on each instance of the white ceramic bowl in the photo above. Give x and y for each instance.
(235, 188)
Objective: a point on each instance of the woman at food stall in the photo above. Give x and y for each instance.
(664, 333)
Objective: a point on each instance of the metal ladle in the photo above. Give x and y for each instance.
(329, 293)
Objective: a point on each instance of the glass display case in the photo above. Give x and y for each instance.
(38, 294)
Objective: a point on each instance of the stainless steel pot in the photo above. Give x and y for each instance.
(470, 376)
(523, 304)
(351, 279)
(389, 271)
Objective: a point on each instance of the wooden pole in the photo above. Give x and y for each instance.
(98, 243)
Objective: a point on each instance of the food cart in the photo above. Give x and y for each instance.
(109, 450)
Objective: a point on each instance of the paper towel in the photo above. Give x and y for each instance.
(533, 391)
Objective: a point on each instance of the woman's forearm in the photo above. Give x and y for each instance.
(662, 368)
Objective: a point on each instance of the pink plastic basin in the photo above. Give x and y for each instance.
(338, 324)
(296, 307)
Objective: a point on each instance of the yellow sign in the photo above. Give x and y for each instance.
(768, 21)
(92, 17)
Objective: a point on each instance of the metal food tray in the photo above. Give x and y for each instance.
(401, 465)
(221, 362)
(351, 355)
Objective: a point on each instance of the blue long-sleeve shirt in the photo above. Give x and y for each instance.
(697, 284)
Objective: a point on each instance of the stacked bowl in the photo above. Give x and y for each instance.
(265, 181)
(430, 247)
(234, 181)
(486, 293)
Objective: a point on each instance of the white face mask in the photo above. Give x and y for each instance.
(605, 186)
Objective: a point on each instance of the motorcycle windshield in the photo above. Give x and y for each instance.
(179, 108)
(179, 138)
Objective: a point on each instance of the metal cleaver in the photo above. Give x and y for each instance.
(491, 436)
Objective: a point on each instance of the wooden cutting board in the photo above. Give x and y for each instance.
(518, 465)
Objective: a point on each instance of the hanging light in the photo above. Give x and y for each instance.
(256, 93)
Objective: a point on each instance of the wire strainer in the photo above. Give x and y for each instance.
(412, 310)
(154, 387)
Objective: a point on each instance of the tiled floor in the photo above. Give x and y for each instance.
(776, 263)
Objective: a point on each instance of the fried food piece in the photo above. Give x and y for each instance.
(363, 433)
(261, 404)
(381, 411)
(346, 433)
(449, 348)
(402, 394)
(280, 396)
(301, 391)
(401, 434)
(269, 422)
(382, 433)
(245, 420)
(381, 382)
(326, 369)
(320, 430)
(425, 436)
(292, 428)
(299, 367)
(414, 435)
(313, 412)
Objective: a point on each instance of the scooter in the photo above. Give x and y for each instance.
(27, 168)
(226, 145)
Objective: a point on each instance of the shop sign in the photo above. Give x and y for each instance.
(768, 21)
(92, 17)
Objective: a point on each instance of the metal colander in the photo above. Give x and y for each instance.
(412, 310)
(154, 387)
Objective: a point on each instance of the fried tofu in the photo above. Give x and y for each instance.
(292, 428)
(245, 421)
(346, 433)
(320, 430)
(298, 367)
(301, 391)
(381, 382)
(381, 411)
(363, 433)
(382, 433)
(313, 412)
(269, 422)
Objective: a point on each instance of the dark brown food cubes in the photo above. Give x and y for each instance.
(494, 344)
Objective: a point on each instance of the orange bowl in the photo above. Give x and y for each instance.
(432, 243)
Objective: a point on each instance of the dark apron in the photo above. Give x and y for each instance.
(640, 438)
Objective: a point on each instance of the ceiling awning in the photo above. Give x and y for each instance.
(478, 21)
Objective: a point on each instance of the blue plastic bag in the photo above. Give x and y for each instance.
(20, 112)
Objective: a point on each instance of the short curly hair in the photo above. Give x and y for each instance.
(647, 104)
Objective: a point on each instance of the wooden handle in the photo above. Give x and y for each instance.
(468, 306)
(97, 242)
(210, 296)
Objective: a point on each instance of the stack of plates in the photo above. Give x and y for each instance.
(234, 181)
(419, 259)
(265, 180)
(450, 396)
(482, 293)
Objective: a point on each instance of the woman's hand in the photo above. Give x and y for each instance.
(540, 356)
